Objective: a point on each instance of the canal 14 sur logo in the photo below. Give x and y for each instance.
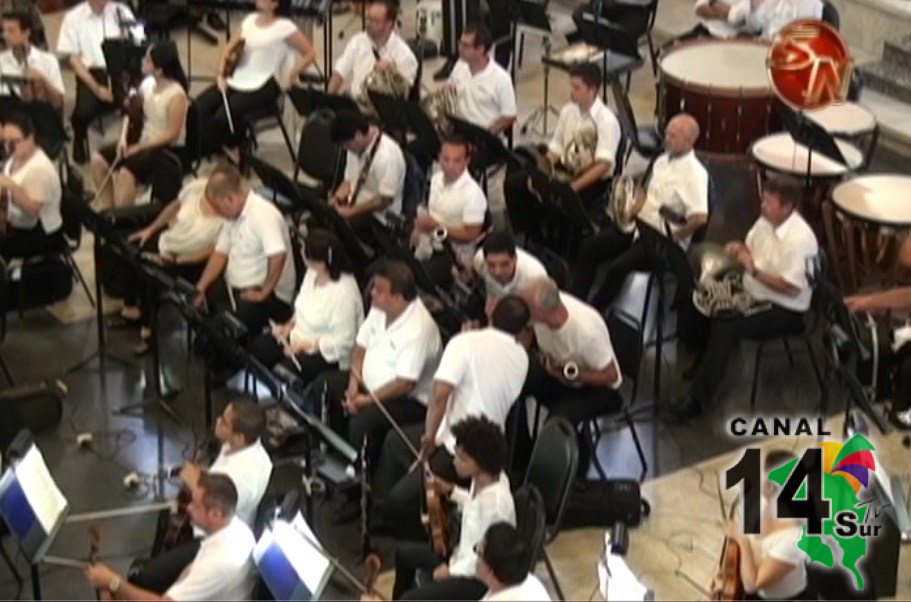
(824, 489)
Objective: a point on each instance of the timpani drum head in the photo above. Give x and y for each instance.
(725, 66)
(881, 199)
(780, 153)
(844, 119)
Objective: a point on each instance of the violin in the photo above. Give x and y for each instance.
(232, 57)
(179, 529)
(134, 112)
(436, 516)
(731, 584)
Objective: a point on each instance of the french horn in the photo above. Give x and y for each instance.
(439, 106)
(389, 82)
(578, 155)
(622, 209)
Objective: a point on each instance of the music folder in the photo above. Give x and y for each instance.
(291, 561)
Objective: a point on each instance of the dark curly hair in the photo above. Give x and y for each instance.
(482, 440)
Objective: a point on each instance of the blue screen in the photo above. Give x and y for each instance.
(280, 576)
(17, 511)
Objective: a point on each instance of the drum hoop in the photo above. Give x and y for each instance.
(848, 169)
(861, 218)
(713, 90)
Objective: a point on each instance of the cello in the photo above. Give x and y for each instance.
(731, 585)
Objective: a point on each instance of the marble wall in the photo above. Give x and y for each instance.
(866, 24)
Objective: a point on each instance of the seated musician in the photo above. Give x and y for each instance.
(503, 567)
(764, 18)
(180, 240)
(374, 172)
(586, 116)
(486, 96)
(504, 267)
(379, 46)
(84, 28)
(776, 260)
(569, 331)
(772, 566)
(164, 112)
(327, 314)
(253, 250)
(29, 7)
(244, 460)
(480, 458)
(679, 182)
(457, 207)
(222, 569)
(396, 351)
(257, 79)
(481, 374)
(30, 189)
(22, 59)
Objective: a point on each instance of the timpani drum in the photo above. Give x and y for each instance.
(849, 121)
(725, 86)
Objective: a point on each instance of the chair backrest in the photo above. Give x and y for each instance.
(72, 200)
(552, 469)
(415, 188)
(625, 114)
(830, 14)
(626, 338)
(317, 155)
(530, 521)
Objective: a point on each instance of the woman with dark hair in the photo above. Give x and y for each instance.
(164, 109)
(259, 75)
(327, 314)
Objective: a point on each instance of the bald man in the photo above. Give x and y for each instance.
(679, 182)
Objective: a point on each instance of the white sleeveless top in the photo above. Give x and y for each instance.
(265, 51)
(155, 108)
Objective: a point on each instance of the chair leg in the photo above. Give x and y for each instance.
(819, 379)
(281, 125)
(6, 373)
(553, 575)
(85, 287)
(638, 444)
(594, 436)
(787, 349)
(755, 388)
(11, 565)
(651, 52)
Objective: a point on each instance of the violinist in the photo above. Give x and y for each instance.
(257, 78)
(163, 99)
(22, 59)
(772, 567)
(480, 455)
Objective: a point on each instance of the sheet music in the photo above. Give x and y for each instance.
(301, 548)
(40, 489)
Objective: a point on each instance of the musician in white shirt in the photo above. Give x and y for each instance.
(504, 267)
(85, 27)
(680, 183)
(486, 96)
(776, 259)
(763, 18)
(23, 59)
(503, 567)
(222, 568)
(260, 76)
(480, 455)
(378, 47)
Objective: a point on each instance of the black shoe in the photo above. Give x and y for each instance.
(684, 408)
(347, 512)
(444, 71)
(80, 152)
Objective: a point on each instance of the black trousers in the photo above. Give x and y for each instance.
(88, 107)
(255, 316)
(411, 558)
(723, 337)
(902, 371)
(159, 573)
(30, 243)
(268, 351)
(439, 268)
(213, 119)
(633, 19)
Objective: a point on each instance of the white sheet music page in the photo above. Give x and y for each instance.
(43, 495)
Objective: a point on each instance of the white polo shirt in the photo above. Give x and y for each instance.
(599, 117)
(265, 50)
(386, 176)
(681, 184)
(484, 96)
(408, 348)
(487, 368)
(458, 203)
(44, 63)
(770, 16)
(250, 469)
(358, 59)
(530, 590)
(41, 180)
(528, 268)
(222, 568)
(331, 313)
(785, 252)
(258, 233)
(480, 509)
(583, 339)
(83, 31)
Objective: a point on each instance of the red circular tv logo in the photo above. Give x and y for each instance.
(809, 65)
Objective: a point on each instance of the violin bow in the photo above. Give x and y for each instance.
(392, 421)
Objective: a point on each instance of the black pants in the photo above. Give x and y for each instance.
(87, 108)
(632, 19)
(400, 491)
(255, 316)
(159, 573)
(31, 243)
(902, 363)
(268, 351)
(726, 333)
(439, 268)
(411, 558)
(213, 119)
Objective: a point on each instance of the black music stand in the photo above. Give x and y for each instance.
(487, 149)
(427, 142)
(49, 129)
(810, 134)
(559, 199)
(620, 52)
(393, 114)
(307, 100)
(533, 14)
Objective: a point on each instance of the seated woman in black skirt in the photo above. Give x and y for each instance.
(180, 240)
(328, 311)
(164, 107)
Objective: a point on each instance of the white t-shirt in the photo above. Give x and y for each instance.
(782, 545)
(530, 590)
(83, 31)
(40, 179)
(772, 15)
(487, 368)
(330, 312)
(786, 252)
(258, 233)
(265, 50)
(222, 569)
(458, 203)
(409, 348)
(484, 96)
(156, 107)
(599, 117)
(386, 176)
(44, 63)
(480, 509)
(192, 230)
(528, 268)
(681, 184)
(250, 469)
(719, 28)
(583, 339)
(358, 59)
